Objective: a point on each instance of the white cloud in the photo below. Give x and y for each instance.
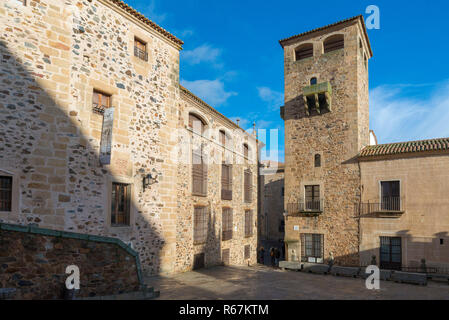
(397, 117)
(211, 91)
(204, 53)
(274, 99)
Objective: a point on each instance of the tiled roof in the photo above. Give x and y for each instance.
(200, 101)
(283, 41)
(441, 144)
(145, 20)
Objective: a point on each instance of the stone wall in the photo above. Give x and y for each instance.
(271, 217)
(34, 261)
(337, 136)
(216, 154)
(53, 56)
(423, 225)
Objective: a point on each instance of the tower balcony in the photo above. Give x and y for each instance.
(311, 208)
(318, 97)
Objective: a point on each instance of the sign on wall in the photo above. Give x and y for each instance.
(106, 136)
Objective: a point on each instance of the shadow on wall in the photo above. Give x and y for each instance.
(272, 228)
(410, 251)
(62, 186)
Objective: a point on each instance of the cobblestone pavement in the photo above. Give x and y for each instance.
(264, 283)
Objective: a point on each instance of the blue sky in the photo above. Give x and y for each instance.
(232, 58)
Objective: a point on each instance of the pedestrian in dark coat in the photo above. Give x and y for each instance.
(272, 257)
(262, 255)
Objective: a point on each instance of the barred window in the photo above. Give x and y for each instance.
(100, 101)
(226, 181)
(5, 193)
(248, 223)
(121, 204)
(140, 49)
(247, 252)
(200, 222)
(248, 186)
(227, 224)
(312, 248)
(199, 172)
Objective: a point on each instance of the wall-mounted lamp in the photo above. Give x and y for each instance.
(148, 180)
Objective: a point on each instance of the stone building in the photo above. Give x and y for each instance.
(271, 217)
(93, 133)
(344, 194)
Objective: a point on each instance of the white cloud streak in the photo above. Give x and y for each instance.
(396, 117)
(202, 54)
(211, 91)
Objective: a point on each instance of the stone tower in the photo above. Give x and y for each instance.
(326, 117)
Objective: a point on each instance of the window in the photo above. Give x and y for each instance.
(196, 124)
(198, 261)
(246, 151)
(199, 172)
(200, 223)
(390, 195)
(222, 136)
(304, 51)
(248, 223)
(121, 204)
(140, 49)
(227, 224)
(313, 81)
(247, 252)
(317, 161)
(100, 101)
(335, 42)
(312, 198)
(226, 181)
(390, 253)
(5, 194)
(312, 248)
(248, 186)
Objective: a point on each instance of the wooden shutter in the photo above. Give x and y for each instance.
(227, 224)
(223, 138)
(200, 223)
(246, 151)
(248, 186)
(334, 43)
(196, 124)
(199, 173)
(248, 223)
(226, 182)
(305, 51)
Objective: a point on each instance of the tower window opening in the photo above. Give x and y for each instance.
(313, 81)
(317, 161)
(335, 42)
(304, 51)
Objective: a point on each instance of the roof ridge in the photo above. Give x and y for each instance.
(147, 21)
(329, 26)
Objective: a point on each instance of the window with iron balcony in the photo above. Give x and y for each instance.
(140, 49)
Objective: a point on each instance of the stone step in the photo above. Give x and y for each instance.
(345, 271)
(408, 277)
(315, 268)
(146, 294)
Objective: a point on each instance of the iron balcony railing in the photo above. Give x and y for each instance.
(312, 207)
(384, 205)
(141, 54)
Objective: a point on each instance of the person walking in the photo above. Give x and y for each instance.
(262, 255)
(277, 255)
(272, 257)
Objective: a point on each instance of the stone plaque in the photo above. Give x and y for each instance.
(106, 136)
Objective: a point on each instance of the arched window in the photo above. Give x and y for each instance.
(196, 124)
(317, 161)
(334, 42)
(313, 81)
(304, 51)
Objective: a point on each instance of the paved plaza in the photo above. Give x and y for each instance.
(264, 283)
